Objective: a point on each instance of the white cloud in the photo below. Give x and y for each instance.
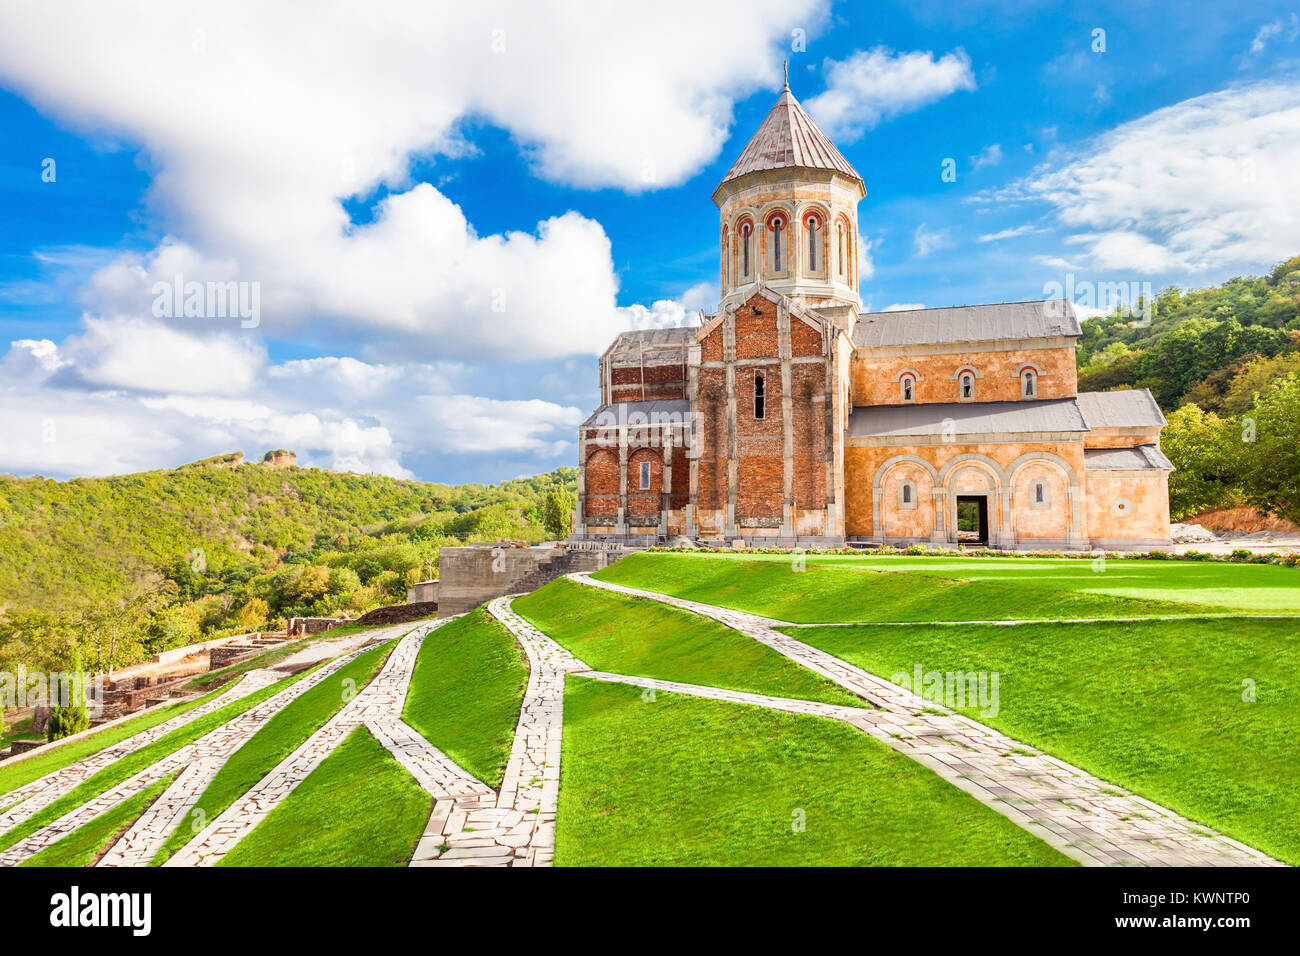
(926, 240)
(903, 307)
(258, 131)
(873, 85)
(1208, 183)
(1024, 230)
(989, 156)
(1289, 27)
(128, 397)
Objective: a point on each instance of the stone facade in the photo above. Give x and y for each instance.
(789, 417)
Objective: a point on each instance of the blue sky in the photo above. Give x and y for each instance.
(385, 180)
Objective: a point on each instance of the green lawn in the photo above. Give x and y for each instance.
(1155, 706)
(87, 844)
(360, 807)
(281, 735)
(643, 638)
(466, 691)
(19, 773)
(689, 781)
(848, 588)
(133, 763)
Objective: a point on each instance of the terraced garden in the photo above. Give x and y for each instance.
(728, 710)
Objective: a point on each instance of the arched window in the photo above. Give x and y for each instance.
(1040, 493)
(760, 395)
(776, 224)
(645, 476)
(907, 495)
(1029, 383)
(745, 231)
(908, 386)
(967, 385)
(814, 224)
(839, 237)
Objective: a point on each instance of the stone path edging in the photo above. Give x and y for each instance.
(380, 700)
(517, 828)
(35, 796)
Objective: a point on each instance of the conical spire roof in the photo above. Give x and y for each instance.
(788, 137)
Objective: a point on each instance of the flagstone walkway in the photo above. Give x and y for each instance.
(1086, 818)
(379, 706)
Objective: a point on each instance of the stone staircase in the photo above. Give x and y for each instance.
(566, 562)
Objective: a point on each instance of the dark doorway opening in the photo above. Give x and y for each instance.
(973, 519)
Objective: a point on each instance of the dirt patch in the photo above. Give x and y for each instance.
(397, 614)
(1241, 520)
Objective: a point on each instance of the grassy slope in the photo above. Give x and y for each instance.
(963, 589)
(466, 691)
(360, 807)
(1154, 706)
(686, 781)
(642, 638)
(280, 737)
(134, 762)
(84, 846)
(22, 772)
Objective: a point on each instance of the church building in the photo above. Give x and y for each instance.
(792, 418)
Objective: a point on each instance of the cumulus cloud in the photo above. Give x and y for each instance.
(137, 397)
(873, 85)
(259, 129)
(1208, 183)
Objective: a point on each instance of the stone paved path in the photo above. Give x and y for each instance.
(203, 761)
(517, 826)
(198, 763)
(1089, 820)
(39, 794)
(378, 704)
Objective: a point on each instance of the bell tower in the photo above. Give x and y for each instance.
(789, 216)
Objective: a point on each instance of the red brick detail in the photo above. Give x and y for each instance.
(804, 340)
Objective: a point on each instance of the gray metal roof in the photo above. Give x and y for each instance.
(652, 338)
(967, 418)
(1127, 408)
(1139, 458)
(967, 323)
(789, 138)
(635, 414)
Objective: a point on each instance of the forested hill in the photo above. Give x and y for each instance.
(1199, 342)
(218, 547)
(1224, 364)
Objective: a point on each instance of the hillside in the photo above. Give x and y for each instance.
(1224, 364)
(218, 546)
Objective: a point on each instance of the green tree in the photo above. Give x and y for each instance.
(1272, 435)
(69, 717)
(1209, 458)
(557, 513)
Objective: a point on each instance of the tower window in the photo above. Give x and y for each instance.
(909, 393)
(760, 396)
(1028, 383)
(645, 476)
(814, 229)
(967, 385)
(776, 225)
(840, 238)
(744, 247)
